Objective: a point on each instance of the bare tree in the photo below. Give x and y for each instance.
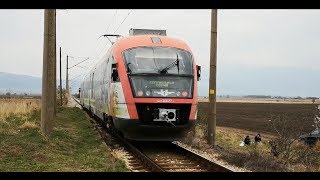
(288, 130)
(286, 145)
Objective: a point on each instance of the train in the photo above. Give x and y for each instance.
(144, 87)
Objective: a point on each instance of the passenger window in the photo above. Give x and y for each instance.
(114, 74)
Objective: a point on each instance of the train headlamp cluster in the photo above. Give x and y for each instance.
(148, 93)
(140, 93)
(184, 93)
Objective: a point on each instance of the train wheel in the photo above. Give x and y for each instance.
(109, 122)
(91, 113)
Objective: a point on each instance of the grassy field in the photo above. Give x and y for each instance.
(256, 157)
(17, 106)
(241, 117)
(72, 146)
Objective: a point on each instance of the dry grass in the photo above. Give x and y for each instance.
(28, 125)
(317, 147)
(254, 157)
(73, 145)
(17, 106)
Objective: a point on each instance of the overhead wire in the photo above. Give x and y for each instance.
(123, 21)
(76, 57)
(111, 21)
(75, 77)
(98, 44)
(78, 63)
(104, 47)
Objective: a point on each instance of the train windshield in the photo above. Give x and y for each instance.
(164, 60)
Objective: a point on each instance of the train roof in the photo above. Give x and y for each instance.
(148, 40)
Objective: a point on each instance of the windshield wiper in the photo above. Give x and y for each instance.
(128, 68)
(175, 63)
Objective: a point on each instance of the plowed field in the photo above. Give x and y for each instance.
(255, 116)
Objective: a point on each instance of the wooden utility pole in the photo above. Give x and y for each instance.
(212, 81)
(60, 81)
(67, 78)
(48, 72)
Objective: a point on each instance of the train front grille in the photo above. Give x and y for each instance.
(148, 113)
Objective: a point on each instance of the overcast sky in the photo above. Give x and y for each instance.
(246, 38)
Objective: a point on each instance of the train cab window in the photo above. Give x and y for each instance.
(114, 74)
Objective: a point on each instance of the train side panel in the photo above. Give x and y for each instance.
(102, 96)
(118, 106)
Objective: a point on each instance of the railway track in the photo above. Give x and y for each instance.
(157, 156)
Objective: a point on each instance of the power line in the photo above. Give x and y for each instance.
(123, 21)
(77, 63)
(74, 81)
(76, 77)
(103, 47)
(81, 67)
(98, 44)
(111, 21)
(75, 57)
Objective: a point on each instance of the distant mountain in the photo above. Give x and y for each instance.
(17, 83)
(231, 80)
(276, 81)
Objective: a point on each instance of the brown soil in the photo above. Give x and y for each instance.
(255, 117)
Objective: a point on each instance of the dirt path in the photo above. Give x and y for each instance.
(72, 103)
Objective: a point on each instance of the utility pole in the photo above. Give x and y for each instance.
(48, 78)
(60, 81)
(67, 78)
(212, 81)
(55, 66)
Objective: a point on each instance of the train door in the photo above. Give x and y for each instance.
(118, 105)
(113, 97)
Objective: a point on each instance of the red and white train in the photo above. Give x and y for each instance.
(145, 86)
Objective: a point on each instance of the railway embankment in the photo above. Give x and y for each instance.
(73, 144)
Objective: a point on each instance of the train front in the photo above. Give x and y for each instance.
(160, 88)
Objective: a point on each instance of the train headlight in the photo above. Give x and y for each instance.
(178, 93)
(184, 93)
(148, 93)
(140, 93)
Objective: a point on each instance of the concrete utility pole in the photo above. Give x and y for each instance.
(67, 78)
(55, 66)
(48, 72)
(60, 81)
(212, 81)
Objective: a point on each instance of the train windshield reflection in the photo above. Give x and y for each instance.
(155, 59)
